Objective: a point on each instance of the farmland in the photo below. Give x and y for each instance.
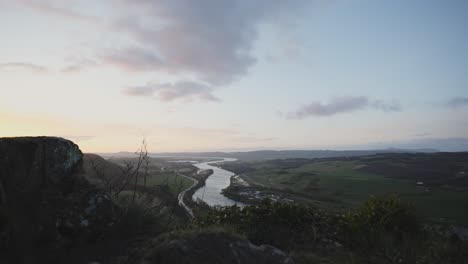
(436, 184)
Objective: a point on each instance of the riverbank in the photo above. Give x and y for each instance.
(244, 192)
(181, 197)
(211, 192)
(192, 207)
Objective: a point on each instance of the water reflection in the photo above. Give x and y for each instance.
(220, 179)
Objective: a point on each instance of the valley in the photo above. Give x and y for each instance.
(436, 183)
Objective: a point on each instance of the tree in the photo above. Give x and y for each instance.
(143, 158)
(129, 172)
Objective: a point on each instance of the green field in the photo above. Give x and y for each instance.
(175, 182)
(349, 182)
(160, 172)
(156, 176)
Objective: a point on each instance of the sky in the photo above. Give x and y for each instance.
(231, 75)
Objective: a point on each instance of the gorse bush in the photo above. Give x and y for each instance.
(383, 214)
(387, 230)
(135, 218)
(384, 227)
(144, 215)
(279, 224)
(383, 230)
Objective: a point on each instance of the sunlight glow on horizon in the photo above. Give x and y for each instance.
(235, 75)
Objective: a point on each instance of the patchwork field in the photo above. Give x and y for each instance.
(160, 172)
(163, 172)
(437, 184)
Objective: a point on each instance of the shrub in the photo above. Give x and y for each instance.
(279, 224)
(135, 220)
(385, 228)
(383, 214)
(144, 215)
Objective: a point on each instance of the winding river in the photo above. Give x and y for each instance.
(216, 182)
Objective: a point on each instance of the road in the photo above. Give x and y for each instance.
(182, 194)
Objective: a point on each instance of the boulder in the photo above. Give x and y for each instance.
(29, 164)
(212, 247)
(45, 202)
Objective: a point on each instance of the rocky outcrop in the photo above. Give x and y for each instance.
(213, 247)
(32, 163)
(45, 203)
(50, 213)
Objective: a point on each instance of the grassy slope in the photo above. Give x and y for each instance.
(175, 182)
(156, 176)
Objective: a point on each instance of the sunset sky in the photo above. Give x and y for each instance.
(203, 75)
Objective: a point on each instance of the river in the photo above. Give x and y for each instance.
(216, 182)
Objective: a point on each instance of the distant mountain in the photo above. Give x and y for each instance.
(278, 154)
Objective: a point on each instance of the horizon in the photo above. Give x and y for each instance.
(417, 150)
(236, 75)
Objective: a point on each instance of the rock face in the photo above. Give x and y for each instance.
(32, 163)
(213, 247)
(44, 202)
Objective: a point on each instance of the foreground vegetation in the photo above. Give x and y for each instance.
(382, 230)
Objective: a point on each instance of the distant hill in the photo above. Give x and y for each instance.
(278, 154)
(94, 164)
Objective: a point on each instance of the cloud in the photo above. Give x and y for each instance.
(457, 102)
(421, 134)
(23, 66)
(209, 40)
(77, 65)
(393, 106)
(167, 92)
(54, 8)
(133, 59)
(337, 105)
(146, 90)
(341, 105)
